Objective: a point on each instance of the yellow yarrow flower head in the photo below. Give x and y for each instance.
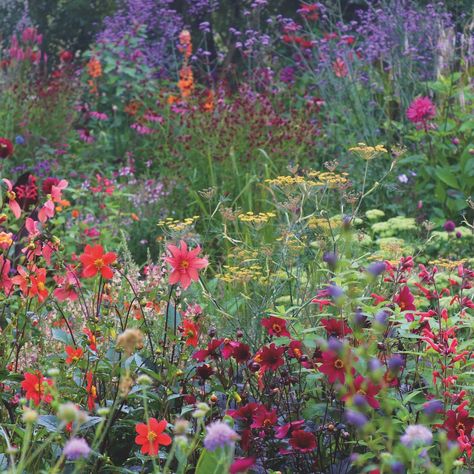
(367, 152)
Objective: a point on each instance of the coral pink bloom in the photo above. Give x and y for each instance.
(185, 264)
(421, 110)
(57, 189)
(46, 212)
(5, 281)
(12, 202)
(66, 286)
(32, 227)
(94, 261)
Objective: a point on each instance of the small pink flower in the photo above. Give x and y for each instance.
(185, 264)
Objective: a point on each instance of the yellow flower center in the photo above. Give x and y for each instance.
(41, 286)
(361, 392)
(151, 436)
(460, 426)
(276, 328)
(338, 364)
(99, 263)
(184, 265)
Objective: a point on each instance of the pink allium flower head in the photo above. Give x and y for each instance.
(421, 110)
(185, 264)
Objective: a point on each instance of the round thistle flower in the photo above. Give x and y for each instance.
(417, 435)
(76, 448)
(219, 435)
(449, 226)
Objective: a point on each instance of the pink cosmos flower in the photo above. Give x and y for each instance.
(421, 110)
(185, 264)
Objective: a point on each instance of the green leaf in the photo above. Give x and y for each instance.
(62, 336)
(445, 175)
(208, 462)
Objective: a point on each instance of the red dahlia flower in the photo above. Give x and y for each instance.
(275, 326)
(364, 388)
(303, 441)
(457, 421)
(73, 354)
(35, 386)
(335, 367)
(94, 260)
(336, 327)
(6, 148)
(211, 351)
(263, 418)
(270, 357)
(190, 332)
(185, 264)
(151, 435)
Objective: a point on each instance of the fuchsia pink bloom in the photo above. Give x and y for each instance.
(421, 110)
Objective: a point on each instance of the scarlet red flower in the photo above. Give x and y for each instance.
(91, 391)
(151, 435)
(91, 340)
(275, 326)
(263, 418)
(270, 357)
(38, 284)
(336, 327)
(190, 332)
(364, 388)
(303, 441)
(334, 366)
(73, 354)
(211, 351)
(405, 300)
(457, 421)
(6, 148)
(35, 386)
(94, 261)
(421, 110)
(185, 264)
(295, 349)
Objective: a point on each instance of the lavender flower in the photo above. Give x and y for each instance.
(376, 268)
(359, 420)
(416, 435)
(76, 448)
(219, 435)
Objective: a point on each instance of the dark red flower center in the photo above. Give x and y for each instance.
(338, 364)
